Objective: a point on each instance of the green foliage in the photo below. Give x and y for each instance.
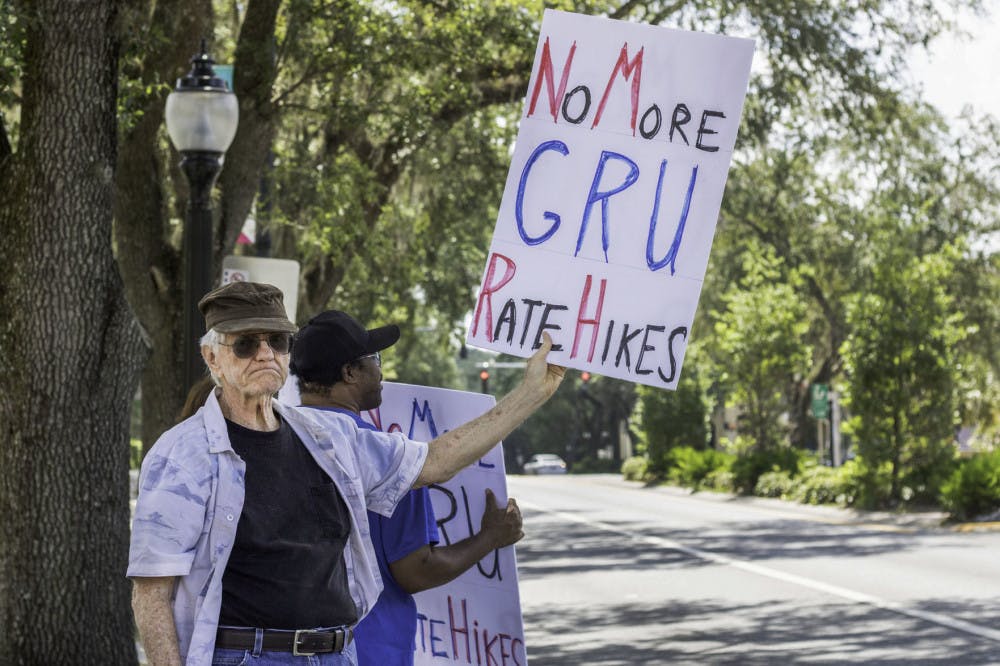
(871, 482)
(691, 467)
(669, 419)
(135, 453)
(592, 465)
(554, 428)
(901, 360)
(776, 483)
(636, 468)
(818, 484)
(760, 346)
(720, 479)
(749, 467)
(973, 489)
(813, 484)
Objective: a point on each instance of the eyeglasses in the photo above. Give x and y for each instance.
(246, 346)
(377, 356)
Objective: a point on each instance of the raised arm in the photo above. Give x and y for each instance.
(458, 448)
(155, 620)
(431, 566)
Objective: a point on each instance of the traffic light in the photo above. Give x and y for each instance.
(584, 376)
(484, 377)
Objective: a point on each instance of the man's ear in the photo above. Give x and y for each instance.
(210, 357)
(349, 373)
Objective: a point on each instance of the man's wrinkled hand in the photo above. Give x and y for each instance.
(541, 375)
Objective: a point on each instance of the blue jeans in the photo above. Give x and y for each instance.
(258, 657)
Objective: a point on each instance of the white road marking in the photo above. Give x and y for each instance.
(826, 588)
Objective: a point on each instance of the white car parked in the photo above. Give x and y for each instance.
(545, 463)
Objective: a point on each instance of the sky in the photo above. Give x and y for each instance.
(961, 71)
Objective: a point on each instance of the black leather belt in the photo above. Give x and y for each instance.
(303, 642)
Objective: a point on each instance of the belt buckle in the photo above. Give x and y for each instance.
(295, 643)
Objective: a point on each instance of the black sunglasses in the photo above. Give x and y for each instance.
(246, 346)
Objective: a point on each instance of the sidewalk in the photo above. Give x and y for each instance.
(828, 513)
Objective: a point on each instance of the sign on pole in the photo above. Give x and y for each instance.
(819, 395)
(612, 197)
(476, 618)
(281, 273)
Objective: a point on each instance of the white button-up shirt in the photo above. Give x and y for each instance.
(191, 491)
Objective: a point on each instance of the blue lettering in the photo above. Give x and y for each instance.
(559, 147)
(671, 256)
(597, 195)
(422, 415)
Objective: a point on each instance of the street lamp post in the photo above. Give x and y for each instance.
(202, 113)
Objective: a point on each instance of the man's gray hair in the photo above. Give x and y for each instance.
(213, 340)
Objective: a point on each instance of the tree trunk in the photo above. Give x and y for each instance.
(254, 74)
(70, 354)
(149, 262)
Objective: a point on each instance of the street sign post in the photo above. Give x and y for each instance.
(819, 396)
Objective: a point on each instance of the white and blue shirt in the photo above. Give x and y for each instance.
(191, 491)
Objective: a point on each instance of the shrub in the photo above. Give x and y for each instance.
(591, 465)
(822, 485)
(636, 468)
(690, 467)
(669, 419)
(927, 468)
(973, 489)
(748, 467)
(776, 483)
(720, 479)
(868, 484)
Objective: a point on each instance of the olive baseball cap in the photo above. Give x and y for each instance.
(332, 339)
(245, 306)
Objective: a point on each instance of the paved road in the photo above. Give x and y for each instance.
(614, 573)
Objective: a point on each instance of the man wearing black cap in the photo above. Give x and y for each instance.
(337, 363)
(250, 535)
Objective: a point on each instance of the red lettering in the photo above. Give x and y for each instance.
(594, 323)
(546, 75)
(489, 288)
(626, 68)
(376, 418)
(464, 630)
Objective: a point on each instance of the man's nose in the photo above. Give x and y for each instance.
(264, 351)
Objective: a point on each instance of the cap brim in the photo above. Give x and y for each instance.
(382, 337)
(257, 324)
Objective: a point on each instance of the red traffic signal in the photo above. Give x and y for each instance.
(484, 377)
(585, 376)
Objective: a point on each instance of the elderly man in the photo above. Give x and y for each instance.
(338, 365)
(250, 537)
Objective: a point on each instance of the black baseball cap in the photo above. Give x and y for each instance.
(332, 339)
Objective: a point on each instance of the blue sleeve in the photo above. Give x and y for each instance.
(411, 526)
(430, 519)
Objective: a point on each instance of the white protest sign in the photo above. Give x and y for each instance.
(476, 618)
(612, 197)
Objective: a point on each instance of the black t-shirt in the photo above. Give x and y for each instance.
(287, 567)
